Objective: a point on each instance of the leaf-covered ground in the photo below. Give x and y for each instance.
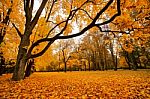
(82, 85)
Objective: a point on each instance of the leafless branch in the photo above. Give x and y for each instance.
(18, 31)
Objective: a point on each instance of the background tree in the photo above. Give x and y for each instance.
(7, 7)
(66, 47)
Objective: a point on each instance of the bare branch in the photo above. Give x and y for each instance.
(54, 28)
(50, 41)
(87, 14)
(50, 11)
(18, 31)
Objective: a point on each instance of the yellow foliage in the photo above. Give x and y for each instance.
(122, 62)
(68, 29)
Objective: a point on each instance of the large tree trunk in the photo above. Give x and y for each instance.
(20, 65)
(21, 59)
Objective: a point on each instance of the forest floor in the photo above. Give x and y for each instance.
(122, 84)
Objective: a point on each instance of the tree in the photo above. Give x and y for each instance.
(94, 48)
(66, 48)
(5, 11)
(135, 21)
(71, 11)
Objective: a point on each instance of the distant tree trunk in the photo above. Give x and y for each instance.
(65, 66)
(64, 60)
(135, 65)
(127, 59)
(84, 65)
(116, 63)
(113, 56)
(145, 65)
(98, 66)
(89, 64)
(28, 70)
(2, 67)
(102, 63)
(139, 62)
(59, 62)
(93, 61)
(105, 59)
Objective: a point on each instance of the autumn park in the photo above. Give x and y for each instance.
(74, 49)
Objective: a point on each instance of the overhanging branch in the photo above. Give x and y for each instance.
(71, 15)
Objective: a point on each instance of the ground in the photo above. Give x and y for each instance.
(122, 84)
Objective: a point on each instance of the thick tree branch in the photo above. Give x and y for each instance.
(42, 52)
(28, 7)
(50, 40)
(114, 16)
(103, 10)
(32, 4)
(37, 15)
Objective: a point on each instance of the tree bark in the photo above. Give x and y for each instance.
(29, 67)
(20, 65)
(89, 64)
(64, 60)
(23, 55)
